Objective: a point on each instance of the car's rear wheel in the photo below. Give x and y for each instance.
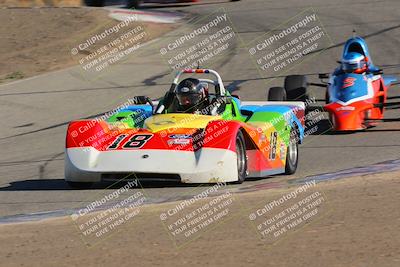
(296, 87)
(276, 94)
(80, 185)
(292, 153)
(241, 157)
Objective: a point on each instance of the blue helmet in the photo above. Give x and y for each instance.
(354, 62)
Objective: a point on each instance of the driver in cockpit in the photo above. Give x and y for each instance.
(354, 62)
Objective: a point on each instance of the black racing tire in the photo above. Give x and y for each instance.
(97, 3)
(241, 157)
(80, 185)
(327, 97)
(133, 3)
(292, 153)
(276, 94)
(296, 87)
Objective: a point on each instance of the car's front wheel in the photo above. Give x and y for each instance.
(327, 97)
(241, 157)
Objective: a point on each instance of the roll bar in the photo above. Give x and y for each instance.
(200, 71)
(219, 87)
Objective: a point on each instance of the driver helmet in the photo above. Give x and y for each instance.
(190, 92)
(354, 62)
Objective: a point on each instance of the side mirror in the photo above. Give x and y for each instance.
(236, 96)
(143, 100)
(140, 100)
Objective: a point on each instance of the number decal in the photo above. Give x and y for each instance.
(116, 142)
(273, 142)
(136, 141)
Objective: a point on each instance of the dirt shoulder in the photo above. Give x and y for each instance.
(39, 40)
(357, 226)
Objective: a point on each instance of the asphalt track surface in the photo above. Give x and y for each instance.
(35, 112)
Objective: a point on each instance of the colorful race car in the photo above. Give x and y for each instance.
(226, 140)
(356, 92)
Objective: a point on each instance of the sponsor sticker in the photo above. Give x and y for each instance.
(180, 141)
(180, 136)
